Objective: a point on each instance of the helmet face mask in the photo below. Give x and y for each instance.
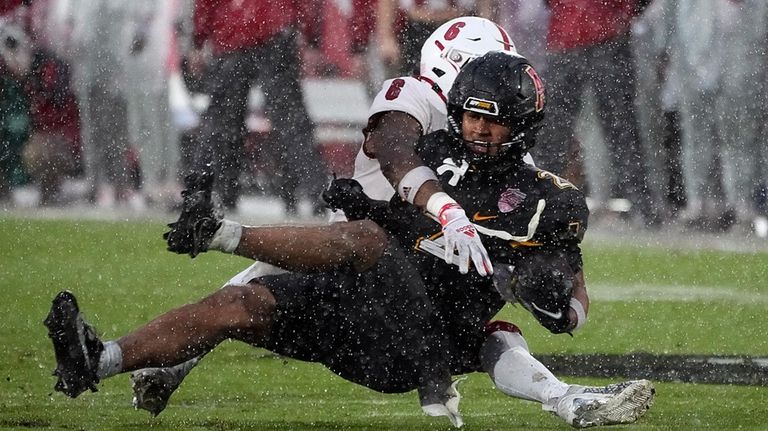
(505, 90)
(485, 134)
(456, 43)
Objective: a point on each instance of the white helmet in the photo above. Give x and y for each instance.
(457, 42)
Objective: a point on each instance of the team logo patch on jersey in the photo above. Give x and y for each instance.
(482, 106)
(510, 199)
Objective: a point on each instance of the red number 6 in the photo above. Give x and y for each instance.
(394, 89)
(454, 30)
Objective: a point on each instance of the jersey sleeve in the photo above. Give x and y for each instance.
(565, 217)
(406, 95)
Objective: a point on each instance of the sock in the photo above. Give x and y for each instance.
(520, 375)
(110, 361)
(515, 372)
(227, 237)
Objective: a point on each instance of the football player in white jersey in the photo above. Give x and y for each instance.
(405, 109)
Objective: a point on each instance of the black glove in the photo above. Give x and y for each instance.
(199, 219)
(347, 195)
(542, 282)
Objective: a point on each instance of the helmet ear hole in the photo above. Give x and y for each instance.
(438, 72)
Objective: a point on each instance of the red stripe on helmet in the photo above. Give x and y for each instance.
(505, 39)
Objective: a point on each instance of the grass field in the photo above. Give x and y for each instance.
(649, 299)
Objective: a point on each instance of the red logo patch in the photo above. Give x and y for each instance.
(510, 199)
(468, 231)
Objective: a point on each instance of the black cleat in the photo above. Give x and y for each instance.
(153, 387)
(76, 346)
(199, 219)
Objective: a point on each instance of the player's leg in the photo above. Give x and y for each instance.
(200, 228)
(152, 387)
(357, 244)
(368, 328)
(243, 313)
(506, 359)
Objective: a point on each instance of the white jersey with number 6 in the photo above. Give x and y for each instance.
(413, 97)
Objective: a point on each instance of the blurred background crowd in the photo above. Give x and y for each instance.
(655, 107)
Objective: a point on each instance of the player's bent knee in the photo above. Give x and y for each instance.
(365, 240)
(499, 341)
(247, 311)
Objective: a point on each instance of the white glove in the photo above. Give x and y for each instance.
(460, 235)
(448, 407)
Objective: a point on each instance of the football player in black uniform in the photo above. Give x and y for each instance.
(380, 314)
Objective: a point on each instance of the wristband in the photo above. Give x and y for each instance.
(227, 238)
(438, 203)
(412, 181)
(581, 315)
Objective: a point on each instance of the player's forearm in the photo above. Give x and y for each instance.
(392, 143)
(425, 192)
(578, 318)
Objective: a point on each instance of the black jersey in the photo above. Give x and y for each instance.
(367, 327)
(518, 211)
(515, 210)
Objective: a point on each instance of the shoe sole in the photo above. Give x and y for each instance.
(626, 407)
(67, 329)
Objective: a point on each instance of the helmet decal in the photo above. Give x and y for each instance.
(539, 88)
(481, 106)
(453, 30)
(508, 45)
(455, 44)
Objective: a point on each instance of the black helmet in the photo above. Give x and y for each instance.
(503, 86)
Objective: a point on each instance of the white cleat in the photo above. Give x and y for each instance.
(620, 403)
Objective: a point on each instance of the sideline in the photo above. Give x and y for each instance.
(720, 370)
(672, 293)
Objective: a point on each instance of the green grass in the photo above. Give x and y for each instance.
(123, 277)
